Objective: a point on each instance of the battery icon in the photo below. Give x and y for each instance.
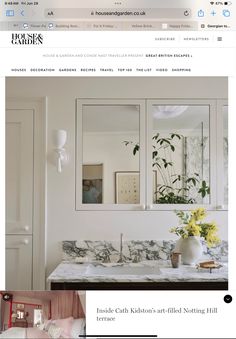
(10, 12)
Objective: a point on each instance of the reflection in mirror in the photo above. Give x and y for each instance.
(225, 150)
(180, 154)
(20, 314)
(110, 171)
(92, 184)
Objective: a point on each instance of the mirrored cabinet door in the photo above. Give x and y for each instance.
(110, 159)
(151, 154)
(181, 154)
(225, 154)
(222, 155)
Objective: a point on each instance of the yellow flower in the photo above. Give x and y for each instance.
(212, 226)
(211, 238)
(199, 214)
(191, 225)
(193, 229)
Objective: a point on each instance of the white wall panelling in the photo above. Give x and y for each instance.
(31, 190)
(19, 171)
(18, 262)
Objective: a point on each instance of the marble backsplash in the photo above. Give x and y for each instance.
(133, 250)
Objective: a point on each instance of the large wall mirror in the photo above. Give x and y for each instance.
(225, 154)
(151, 154)
(109, 137)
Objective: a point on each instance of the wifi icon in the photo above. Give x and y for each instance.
(212, 2)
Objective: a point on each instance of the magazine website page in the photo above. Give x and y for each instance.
(118, 169)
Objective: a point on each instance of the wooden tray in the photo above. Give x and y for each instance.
(209, 267)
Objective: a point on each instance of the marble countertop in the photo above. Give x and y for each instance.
(162, 271)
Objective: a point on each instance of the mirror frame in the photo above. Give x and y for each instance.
(145, 162)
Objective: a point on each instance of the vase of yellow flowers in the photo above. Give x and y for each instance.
(191, 229)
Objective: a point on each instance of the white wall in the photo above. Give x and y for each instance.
(63, 222)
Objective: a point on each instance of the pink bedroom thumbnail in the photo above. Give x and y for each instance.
(38, 314)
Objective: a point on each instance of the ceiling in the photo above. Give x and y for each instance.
(109, 118)
(125, 118)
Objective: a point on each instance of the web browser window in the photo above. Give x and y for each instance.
(117, 127)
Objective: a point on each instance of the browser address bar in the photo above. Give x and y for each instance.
(111, 13)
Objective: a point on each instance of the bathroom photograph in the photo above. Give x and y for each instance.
(116, 183)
